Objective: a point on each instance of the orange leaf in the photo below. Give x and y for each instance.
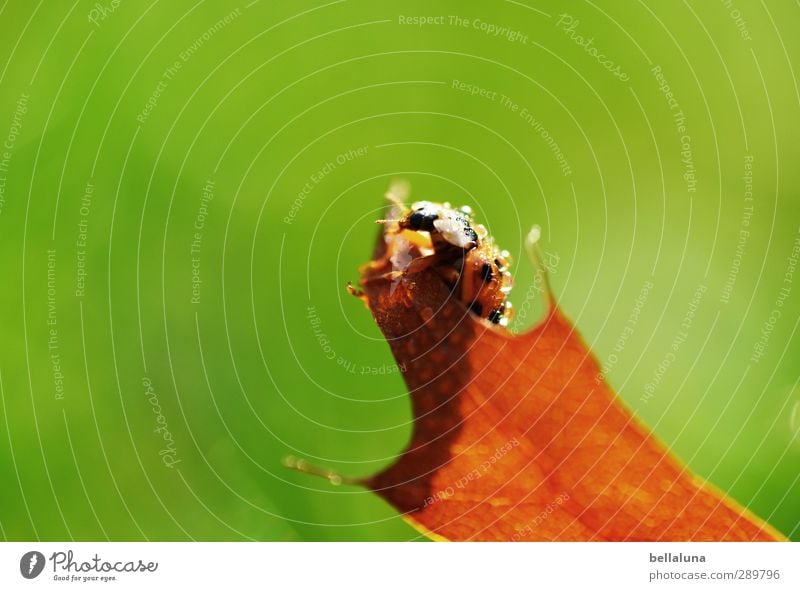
(518, 437)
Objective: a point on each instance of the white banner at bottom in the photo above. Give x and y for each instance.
(400, 566)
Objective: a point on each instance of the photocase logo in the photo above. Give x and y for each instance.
(31, 564)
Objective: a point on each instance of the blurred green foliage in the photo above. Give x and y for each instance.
(248, 148)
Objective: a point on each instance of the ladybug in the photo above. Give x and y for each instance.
(448, 240)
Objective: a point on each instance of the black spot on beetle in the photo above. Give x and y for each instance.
(496, 315)
(470, 233)
(422, 220)
(477, 308)
(486, 272)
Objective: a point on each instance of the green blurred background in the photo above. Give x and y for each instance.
(236, 157)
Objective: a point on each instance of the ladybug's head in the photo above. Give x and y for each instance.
(421, 217)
